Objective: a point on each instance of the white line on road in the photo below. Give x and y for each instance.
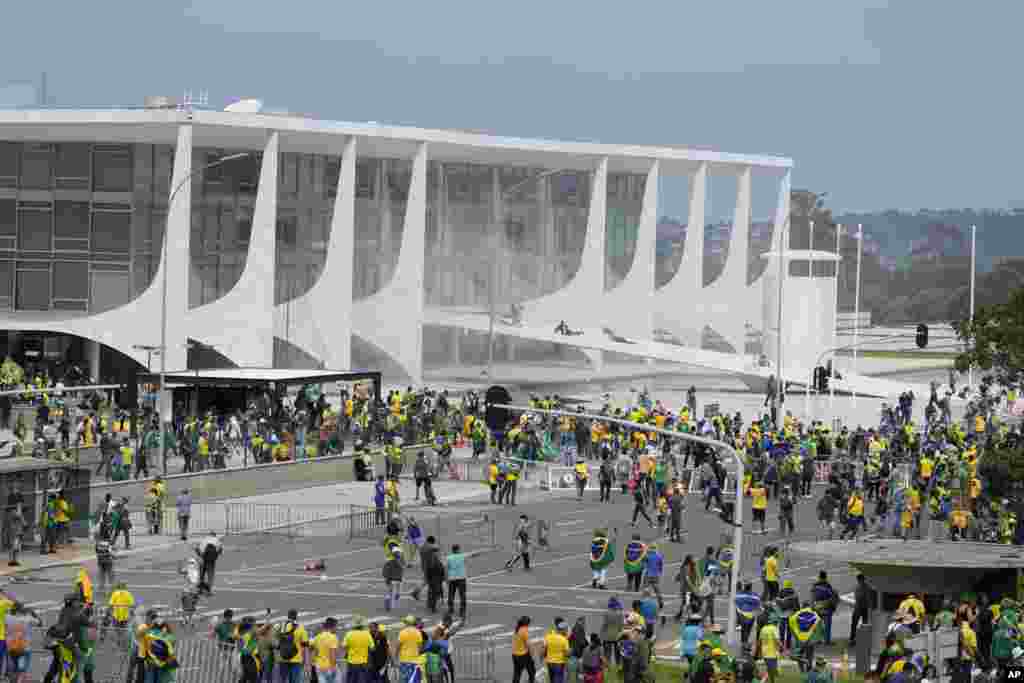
(534, 566)
(481, 629)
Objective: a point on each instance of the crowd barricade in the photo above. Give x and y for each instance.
(242, 518)
(474, 659)
(204, 660)
(202, 517)
(563, 478)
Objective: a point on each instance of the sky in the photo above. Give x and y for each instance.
(907, 105)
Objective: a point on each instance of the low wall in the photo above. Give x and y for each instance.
(240, 482)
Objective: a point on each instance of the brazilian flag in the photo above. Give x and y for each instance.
(602, 552)
(804, 625)
(725, 555)
(391, 545)
(633, 560)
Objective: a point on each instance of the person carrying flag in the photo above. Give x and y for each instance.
(803, 624)
(748, 609)
(633, 562)
(602, 554)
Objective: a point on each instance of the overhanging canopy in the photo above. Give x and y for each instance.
(261, 377)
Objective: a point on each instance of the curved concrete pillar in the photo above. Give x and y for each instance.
(676, 303)
(392, 318)
(138, 322)
(325, 311)
(240, 325)
(628, 309)
(726, 306)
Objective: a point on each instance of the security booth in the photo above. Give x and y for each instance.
(935, 571)
(26, 484)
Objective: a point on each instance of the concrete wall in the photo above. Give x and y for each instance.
(241, 482)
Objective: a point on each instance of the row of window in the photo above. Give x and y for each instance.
(67, 166)
(63, 285)
(65, 226)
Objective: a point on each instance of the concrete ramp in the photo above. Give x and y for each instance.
(605, 339)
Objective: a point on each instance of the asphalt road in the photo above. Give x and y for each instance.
(265, 572)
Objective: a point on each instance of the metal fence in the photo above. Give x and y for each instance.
(204, 660)
(471, 531)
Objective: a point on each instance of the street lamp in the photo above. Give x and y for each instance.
(163, 303)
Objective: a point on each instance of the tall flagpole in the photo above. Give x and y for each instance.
(835, 322)
(814, 289)
(974, 233)
(856, 307)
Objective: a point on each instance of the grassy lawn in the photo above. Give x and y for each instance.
(670, 673)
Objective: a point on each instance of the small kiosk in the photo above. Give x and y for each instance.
(26, 483)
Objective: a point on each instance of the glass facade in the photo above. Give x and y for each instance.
(80, 223)
(501, 234)
(223, 198)
(382, 192)
(624, 204)
(306, 189)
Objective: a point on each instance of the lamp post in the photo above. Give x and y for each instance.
(734, 580)
(163, 302)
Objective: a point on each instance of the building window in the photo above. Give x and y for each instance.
(112, 168)
(10, 154)
(366, 172)
(33, 290)
(287, 230)
(6, 284)
(37, 166)
(8, 223)
(35, 230)
(331, 174)
(71, 220)
(71, 280)
(73, 161)
(111, 232)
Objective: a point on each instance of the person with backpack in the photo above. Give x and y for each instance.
(249, 654)
(825, 601)
(433, 663)
(593, 662)
(291, 641)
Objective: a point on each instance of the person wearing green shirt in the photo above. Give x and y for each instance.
(660, 477)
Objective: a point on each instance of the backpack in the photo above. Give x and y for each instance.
(433, 664)
(286, 646)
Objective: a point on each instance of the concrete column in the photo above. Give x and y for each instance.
(92, 357)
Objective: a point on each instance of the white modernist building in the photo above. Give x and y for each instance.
(316, 240)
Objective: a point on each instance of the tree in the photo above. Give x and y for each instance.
(11, 373)
(994, 342)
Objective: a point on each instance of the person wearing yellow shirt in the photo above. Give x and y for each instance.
(958, 522)
(325, 652)
(582, 473)
(767, 648)
(556, 651)
(926, 465)
(357, 645)
(913, 605)
(410, 649)
(522, 658)
(771, 576)
(122, 603)
(492, 480)
(290, 668)
(855, 514)
(759, 503)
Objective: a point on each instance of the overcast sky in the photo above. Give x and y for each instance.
(913, 105)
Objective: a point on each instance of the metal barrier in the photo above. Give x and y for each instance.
(474, 659)
(366, 522)
(203, 517)
(204, 660)
(293, 520)
(475, 532)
